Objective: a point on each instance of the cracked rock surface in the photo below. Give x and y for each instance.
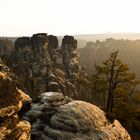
(55, 117)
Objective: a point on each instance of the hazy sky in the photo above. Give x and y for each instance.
(59, 17)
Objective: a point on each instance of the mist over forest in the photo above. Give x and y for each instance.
(96, 52)
(85, 38)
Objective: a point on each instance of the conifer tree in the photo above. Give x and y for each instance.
(112, 83)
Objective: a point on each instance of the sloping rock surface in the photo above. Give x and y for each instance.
(11, 102)
(55, 117)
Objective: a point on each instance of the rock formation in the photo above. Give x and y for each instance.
(55, 117)
(32, 62)
(42, 66)
(51, 115)
(75, 72)
(11, 101)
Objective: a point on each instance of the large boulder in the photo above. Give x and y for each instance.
(55, 117)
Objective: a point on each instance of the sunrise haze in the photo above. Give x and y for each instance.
(60, 17)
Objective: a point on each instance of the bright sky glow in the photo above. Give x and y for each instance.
(60, 17)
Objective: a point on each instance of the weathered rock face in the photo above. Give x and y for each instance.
(22, 42)
(53, 42)
(76, 74)
(55, 117)
(42, 66)
(11, 102)
(69, 44)
(32, 62)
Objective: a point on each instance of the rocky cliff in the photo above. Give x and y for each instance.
(12, 100)
(42, 66)
(55, 117)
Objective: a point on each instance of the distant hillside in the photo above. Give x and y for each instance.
(83, 39)
(12, 38)
(97, 52)
(9, 38)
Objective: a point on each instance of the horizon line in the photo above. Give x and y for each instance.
(15, 36)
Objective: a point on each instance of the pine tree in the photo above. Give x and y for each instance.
(112, 83)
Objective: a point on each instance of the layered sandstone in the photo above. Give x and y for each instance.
(41, 66)
(11, 102)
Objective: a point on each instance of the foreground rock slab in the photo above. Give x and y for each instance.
(55, 117)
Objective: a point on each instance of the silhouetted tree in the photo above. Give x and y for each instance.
(112, 82)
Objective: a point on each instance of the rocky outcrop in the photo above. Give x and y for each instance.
(53, 42)
(69, 44)
(55, 117)
(22, 42)
(32, 63)
(75, 72)
(42, 66)
(12, 100)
